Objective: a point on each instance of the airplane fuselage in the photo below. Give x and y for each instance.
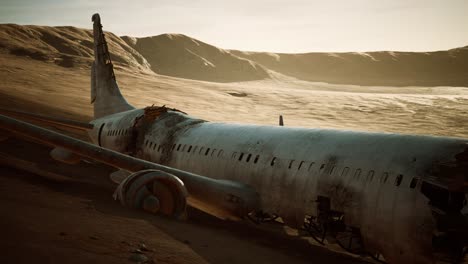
(376, 183)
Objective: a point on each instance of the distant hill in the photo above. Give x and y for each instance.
(181, 56)
(440, 68)
(184, 57)
(65, 46)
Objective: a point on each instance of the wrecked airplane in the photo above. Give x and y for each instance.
(398, 198)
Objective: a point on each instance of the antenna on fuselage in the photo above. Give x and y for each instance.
(281, 122)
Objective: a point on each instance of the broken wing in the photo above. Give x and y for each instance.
(221, 198)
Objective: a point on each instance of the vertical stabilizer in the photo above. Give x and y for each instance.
(105, 93)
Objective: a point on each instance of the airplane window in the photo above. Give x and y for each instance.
(413, 183)
(207, 151)
(300, 165)
(183, 147)
(189, 148)
(154, 146)
(273, 161)
(234, 155)
(212, 152)
(220, 153)
(241, 156)
(248, 158)
(332, 169)
(159, 148)
(290, 164)
(345, 172)
(311, 165)
(151, 144)
(201, 150)
(385, 178)
(178, 147)
(146, 142)
(398, 180)
(173, 146)
(195, 149)
(256, 159)
(357, 174)
(321, 169)
(370, 176)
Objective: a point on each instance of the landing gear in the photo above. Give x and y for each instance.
(351, 241)
(329, 227)
(315, 229)
(327, 224)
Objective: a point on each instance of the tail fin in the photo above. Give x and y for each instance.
(105, 93)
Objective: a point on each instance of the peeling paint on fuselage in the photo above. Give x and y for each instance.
(291, 167)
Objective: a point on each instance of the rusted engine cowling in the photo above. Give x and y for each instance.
(153, 191)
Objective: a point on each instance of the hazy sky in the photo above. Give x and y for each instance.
(266, 25)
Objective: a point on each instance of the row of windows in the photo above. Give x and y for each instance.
(153, 146)
(118, 132)
(247, 157)
(189, 148)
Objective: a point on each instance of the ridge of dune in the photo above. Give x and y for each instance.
(181, 56)
(387, 68)
(66, 46)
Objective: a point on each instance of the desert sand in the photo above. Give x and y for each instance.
(73, 219)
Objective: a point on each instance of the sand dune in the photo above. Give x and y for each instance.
(64, 46)
(184, 57)
(414, 110)
(387, 68)
(31, 67)
(181, 56)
